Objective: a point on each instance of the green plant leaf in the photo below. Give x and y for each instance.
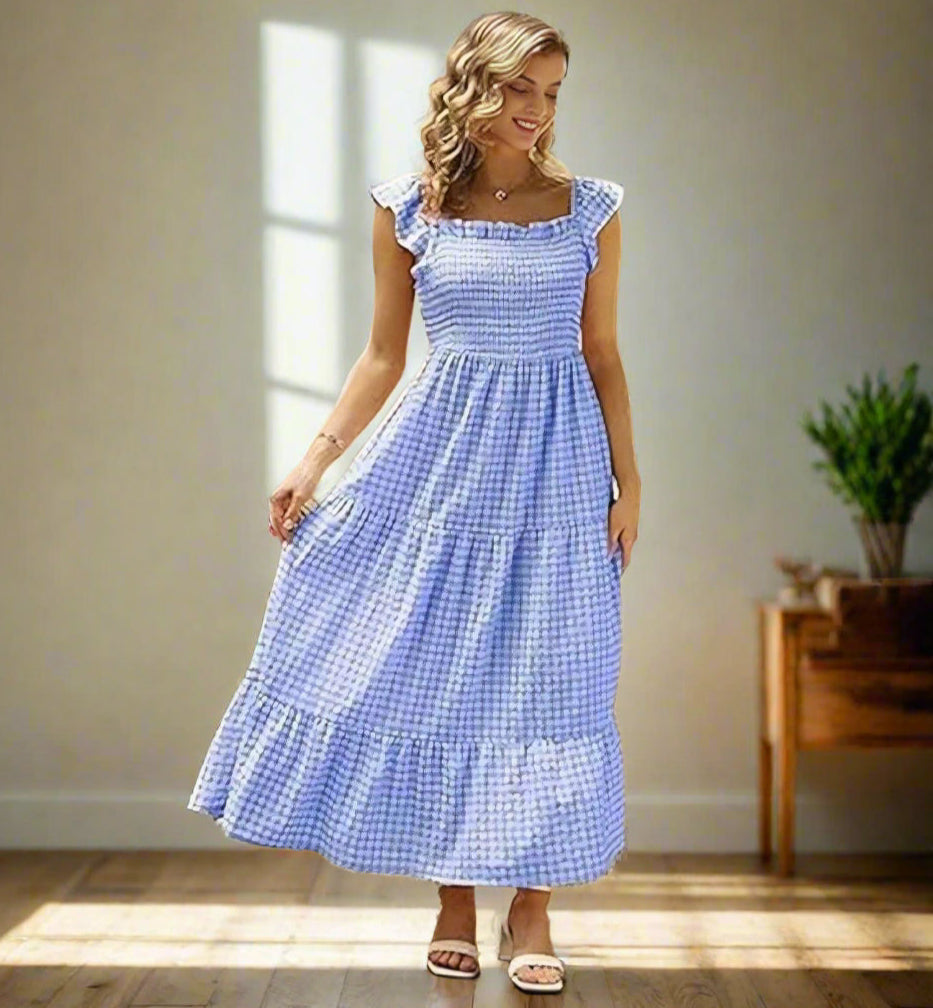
(877, 447)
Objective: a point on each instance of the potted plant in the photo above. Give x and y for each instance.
(878, 450)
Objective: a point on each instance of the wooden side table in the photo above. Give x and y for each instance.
(826, 704)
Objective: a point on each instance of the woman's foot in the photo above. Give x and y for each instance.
(457, 919)
(531, 932)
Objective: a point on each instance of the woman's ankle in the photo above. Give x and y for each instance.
(532, 896)
(534, 901)
(457, 893)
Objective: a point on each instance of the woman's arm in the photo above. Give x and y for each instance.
(370, 381)
(379, 367)
(600, 348)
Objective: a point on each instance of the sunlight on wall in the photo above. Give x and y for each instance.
(394, 92)
(302, 71)
(311, 176)
(303, 327)
(302, 82)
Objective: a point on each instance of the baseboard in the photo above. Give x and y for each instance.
(661, 821)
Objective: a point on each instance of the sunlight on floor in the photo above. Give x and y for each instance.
(259, 929)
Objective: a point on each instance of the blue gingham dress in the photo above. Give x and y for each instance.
(432, 690)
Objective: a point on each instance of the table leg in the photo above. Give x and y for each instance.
(787, 770)
(765, 796)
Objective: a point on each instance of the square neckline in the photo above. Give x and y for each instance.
(548, 222)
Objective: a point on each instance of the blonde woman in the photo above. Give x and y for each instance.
(433, 686)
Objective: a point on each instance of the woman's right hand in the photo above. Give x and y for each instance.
(285, 504)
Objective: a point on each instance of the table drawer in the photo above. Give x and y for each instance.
(847, 705)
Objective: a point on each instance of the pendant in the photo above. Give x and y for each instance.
(500, 194)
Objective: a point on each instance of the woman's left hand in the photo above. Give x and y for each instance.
(623, 521)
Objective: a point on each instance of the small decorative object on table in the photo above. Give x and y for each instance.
(879, 458)
(807, 579)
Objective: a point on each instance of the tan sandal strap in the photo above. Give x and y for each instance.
(454, 945)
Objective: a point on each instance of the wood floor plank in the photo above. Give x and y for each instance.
(735, 988)
(639, 988)
(124, 871)
(493, 989)
(723, 864)
(398, 988)
(95, 915)
(847, 989)
(269, 870)
(792, 988)
(224, 917)
(685, 988)
(32, 986)
(872, 922)
(99, 987)
(304, 988)
(240, 988)
(877, 866)
(585, 987)
(44, 873)
(177, 986)
(332, 883)
(694, 989)
(447, 992)
(902, 988)
(15, 917)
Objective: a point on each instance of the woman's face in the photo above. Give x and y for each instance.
(530, 101)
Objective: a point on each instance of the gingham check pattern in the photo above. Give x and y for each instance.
(431, 692)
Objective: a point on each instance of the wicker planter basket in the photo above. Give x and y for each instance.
(883, 543)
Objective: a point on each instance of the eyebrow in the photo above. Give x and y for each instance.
(531, 80)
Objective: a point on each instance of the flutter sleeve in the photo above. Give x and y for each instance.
(402, 195)
(599, 200)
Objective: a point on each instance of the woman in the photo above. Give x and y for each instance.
(433, 686)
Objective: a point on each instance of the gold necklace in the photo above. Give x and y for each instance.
(502, 193)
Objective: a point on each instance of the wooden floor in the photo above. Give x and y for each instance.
(263, 928)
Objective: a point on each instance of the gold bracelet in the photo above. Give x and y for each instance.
(339, 442)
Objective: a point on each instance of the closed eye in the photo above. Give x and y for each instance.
(525, 91)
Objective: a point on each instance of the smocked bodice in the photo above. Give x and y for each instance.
(498, 287)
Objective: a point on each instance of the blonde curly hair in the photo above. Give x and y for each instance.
(492, 49)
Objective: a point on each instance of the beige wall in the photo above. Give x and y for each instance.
(185, 233)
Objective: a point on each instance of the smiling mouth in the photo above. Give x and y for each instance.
(525, 125)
